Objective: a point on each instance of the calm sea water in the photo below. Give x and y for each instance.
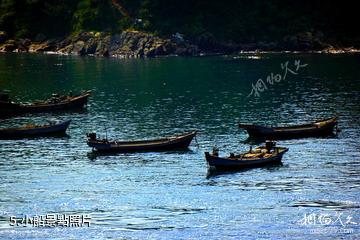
(172, 195)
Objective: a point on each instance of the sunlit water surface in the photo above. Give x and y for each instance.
(171, 195)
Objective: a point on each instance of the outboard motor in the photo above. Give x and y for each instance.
(91, 136)
(269, 145)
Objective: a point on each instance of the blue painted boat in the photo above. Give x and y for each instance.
(50, 129)
(258, 157)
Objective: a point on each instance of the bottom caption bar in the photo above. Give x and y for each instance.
(52, 220)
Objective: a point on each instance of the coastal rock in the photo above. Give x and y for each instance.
(266, 46)
(79, 48)
(63, 43)
(3, 37)
(126, 44)
(8, 46)
(83, 43)
(90, 46)
(83, 36)
(40, 37)
(76, 48)
(187, 50)
(248, 47)
(25, 42)
(334, 50)
(102, 48)
(304, 41)
(45, 46)
(139, 44)
(129, 43)
(23, 45)
(207, 42)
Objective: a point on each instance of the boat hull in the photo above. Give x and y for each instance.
(301, 131)
(226, 164)
(10, 109)
(166, 144)
(47, 130)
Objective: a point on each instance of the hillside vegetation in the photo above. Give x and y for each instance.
(206, 23)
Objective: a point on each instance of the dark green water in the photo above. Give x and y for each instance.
(171, 195)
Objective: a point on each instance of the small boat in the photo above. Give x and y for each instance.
(51, 129)
(260, 156)
(55, 103)
(319, 128)
(163, 144)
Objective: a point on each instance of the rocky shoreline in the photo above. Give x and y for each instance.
(136, 44)
(124, 45)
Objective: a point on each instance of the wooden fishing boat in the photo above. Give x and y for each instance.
(55, 103)
(50, 129)
(260, 156)
(317, 129)
(163, 144)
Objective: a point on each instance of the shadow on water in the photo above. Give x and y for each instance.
(6, 116)
(213, 172)
(93, 155)
(54, 136)
(253, 141)
(259, 140)
(339, 205)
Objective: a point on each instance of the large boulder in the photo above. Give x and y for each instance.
(90, 46)
(79, 48)
(102, 48)
(137, 44)
(50, 45)
(23, 45)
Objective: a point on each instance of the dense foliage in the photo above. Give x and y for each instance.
(231, 20)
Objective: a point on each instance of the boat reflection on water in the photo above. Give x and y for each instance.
(93, 155)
